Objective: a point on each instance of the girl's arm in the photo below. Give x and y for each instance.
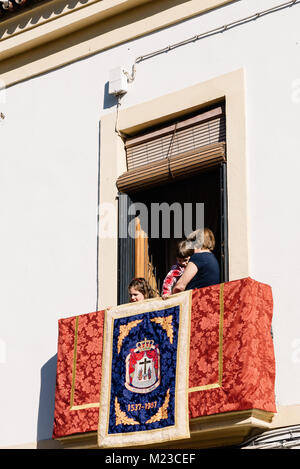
(188, 274)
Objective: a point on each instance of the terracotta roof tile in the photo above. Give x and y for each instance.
(8, 7)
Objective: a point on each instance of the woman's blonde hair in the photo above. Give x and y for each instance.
(202, 238)
(140, 284)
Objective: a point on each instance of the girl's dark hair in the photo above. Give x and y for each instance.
(140, 284)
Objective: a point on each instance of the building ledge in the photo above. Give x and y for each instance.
(52, 34)
(226, 429)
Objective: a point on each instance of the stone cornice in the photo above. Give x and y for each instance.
(54, 33)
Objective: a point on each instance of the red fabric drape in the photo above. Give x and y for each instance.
(247, 356)
(86, 380)
(231, 368)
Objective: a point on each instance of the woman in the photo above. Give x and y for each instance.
(203, 268)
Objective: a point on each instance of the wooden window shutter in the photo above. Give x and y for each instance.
(175, 151)
(143, 265)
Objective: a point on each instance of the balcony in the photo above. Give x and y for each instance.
(231, 372)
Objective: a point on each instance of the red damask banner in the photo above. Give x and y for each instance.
(78, 377)
(231, 367)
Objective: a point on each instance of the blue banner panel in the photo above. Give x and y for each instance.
(143, 378)
(144, 388)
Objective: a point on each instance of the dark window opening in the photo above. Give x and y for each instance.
(170, 190)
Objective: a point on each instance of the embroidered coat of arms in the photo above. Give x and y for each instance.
(143, 367)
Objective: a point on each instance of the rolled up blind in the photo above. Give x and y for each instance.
(174, 151)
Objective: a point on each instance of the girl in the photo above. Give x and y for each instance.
(139, 290)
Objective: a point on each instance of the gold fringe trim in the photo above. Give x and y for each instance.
(206, 387)
(85, 406)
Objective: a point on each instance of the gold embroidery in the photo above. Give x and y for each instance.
(180, 428)
(166, 324)
(124, 331)
(205, 387)
(121, 417)
(91, 405)
(162, 412)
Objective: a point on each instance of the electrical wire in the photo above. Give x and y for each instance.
(217, 30)
(220, 29)
(122, 135)
(260, 441)
(284, 444)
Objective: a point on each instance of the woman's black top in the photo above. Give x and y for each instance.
(208, 270)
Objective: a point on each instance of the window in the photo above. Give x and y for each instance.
(173, 171)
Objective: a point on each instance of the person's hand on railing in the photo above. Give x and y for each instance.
(165, 296)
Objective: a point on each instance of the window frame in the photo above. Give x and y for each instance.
(229, 87)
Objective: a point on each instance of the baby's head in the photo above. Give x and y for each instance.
(183, 253)
(183, 261)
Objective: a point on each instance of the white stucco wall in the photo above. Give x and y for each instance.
(49, 144)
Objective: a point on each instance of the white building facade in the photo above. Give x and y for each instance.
(60, 156)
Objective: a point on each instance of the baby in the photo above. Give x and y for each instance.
(183, 254)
